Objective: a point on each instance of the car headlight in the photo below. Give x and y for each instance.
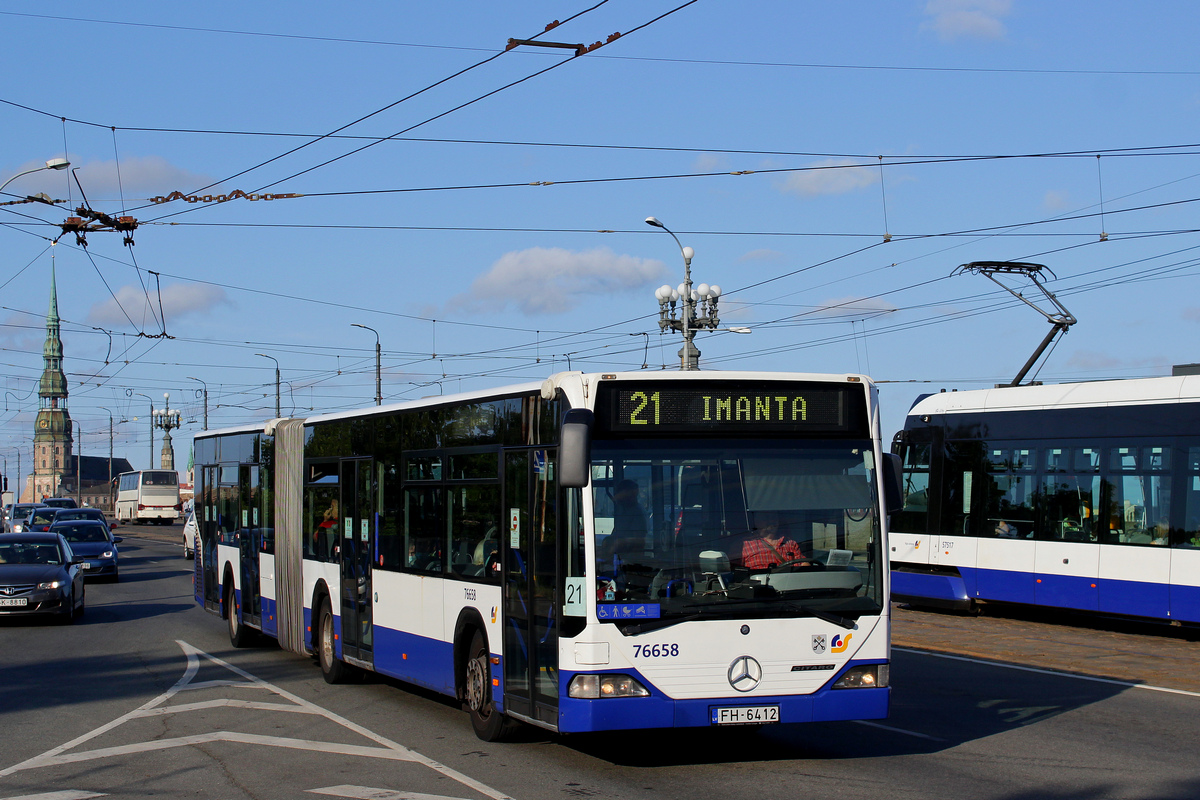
(51, 585)
(592, 687)
(107, 554)
(871, 676)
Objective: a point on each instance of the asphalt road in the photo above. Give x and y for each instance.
(146, 696)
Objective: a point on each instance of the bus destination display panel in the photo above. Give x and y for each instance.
(725, 407)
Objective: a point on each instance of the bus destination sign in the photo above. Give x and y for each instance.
(725, 407)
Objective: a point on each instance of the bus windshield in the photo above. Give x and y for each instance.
(712, 528)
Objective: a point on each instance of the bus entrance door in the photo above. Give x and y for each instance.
(530, 586)
(357, 549)
(247, 543)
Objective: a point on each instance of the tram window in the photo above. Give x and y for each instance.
(474, 528)
(1188, 535)
(1068, 503)
(914, 515)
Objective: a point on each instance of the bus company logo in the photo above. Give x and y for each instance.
(818, 642)
(744, 673)
(840, 644)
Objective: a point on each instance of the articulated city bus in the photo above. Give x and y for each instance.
(597, 552)
(1083, 496)
(148, 495)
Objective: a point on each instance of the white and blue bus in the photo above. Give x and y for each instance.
(571, 554)
(1080, 496)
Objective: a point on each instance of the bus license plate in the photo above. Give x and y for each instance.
(13, 601)
(745, 715)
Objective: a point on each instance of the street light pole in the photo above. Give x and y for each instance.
(688, 321)
(273, 358)
(78, 464)
(378, 384)
(205, 401)
(131, 393)
(54, 163)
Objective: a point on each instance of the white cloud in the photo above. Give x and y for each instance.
(961, 19)
(179, 300)
(762, 254)
(1055, 201)
(831, 176)
(144, 176)
(544, 280)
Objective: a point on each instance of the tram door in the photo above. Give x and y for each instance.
(357, 549)
(248, 535)
(530, 585)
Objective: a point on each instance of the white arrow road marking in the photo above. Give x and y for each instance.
(367, 793)
(387, 749)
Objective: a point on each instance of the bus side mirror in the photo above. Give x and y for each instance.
(575, 449)
(893, 485)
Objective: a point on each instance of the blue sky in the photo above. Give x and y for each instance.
(830, 169)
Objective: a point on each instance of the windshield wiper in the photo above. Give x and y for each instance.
(657, 624)
(834, 619)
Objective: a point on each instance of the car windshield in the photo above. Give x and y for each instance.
(739, 528)
(29, 553)
(81, 533)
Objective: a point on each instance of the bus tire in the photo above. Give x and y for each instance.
(239, 634)
(332, 669)
(489, 724)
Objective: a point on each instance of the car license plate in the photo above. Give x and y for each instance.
(13, 601)
(86, 565)
(745, 715)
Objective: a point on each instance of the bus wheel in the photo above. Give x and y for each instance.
(239, 634)
(489, 724)
(333, 670)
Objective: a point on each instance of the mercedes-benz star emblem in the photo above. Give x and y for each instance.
(744, 673)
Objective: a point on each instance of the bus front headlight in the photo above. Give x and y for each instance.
(870, 676)
(591, 687)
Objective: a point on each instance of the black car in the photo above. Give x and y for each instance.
(39, 574)
(60, 502)
(40, 519)
(70, 514)
(93, 543)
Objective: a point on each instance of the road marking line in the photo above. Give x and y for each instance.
(66, 794)
(230, 736)
(367, 793)
(890, 729)
(224, 702)
(388, 749)
(1055, 673)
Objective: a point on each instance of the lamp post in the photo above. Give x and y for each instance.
(54, 163)
(205, 400)
(167, 419)
(690, 318)
(378, 384)
(78, 464)
(131, 393)
(273, 358)
(111, 506)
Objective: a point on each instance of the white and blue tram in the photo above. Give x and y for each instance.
(1080, 496)
(469, 544)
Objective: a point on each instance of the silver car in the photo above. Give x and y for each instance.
(189, 536)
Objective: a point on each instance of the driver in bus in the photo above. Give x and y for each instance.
(771, 547)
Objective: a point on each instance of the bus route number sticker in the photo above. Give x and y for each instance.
(514, 527)
(574, 606)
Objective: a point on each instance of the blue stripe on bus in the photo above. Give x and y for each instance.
(1107, 595)
(270, 624)
(658, 711)
(417, 659)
